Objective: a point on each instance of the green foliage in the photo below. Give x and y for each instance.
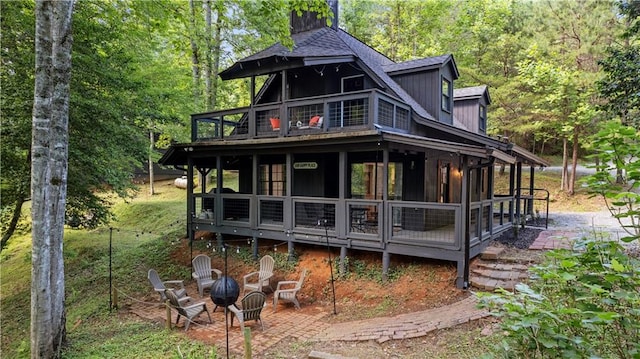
(357, 268)
(580, 304)
(620, 85)
(616, 150)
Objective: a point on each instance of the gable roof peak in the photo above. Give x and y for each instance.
(423, 64)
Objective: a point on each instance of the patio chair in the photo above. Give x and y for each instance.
(252, 305)
(255, 281)
(202, 272)
(189, 312)
(288, 291)
(159, 286)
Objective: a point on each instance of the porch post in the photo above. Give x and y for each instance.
(382, 218)
(531, 189)
(254, 215)
(519, 193)
(463, 278)
(218, 199)
(253, 91)
(190, 205)
(512, 174)
(342, 210)
(490, 185)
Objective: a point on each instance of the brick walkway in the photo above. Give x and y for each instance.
(405, 326)
(311, 324)
(555, 239)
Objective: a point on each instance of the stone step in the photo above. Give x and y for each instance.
(490, 285)
(492, 274)
(505, 275)
(510, 266)
(491, 253)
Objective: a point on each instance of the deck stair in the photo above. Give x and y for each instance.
(496, 268)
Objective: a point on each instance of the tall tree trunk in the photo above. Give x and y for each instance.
(209, 52)
(151, 176)
(574, 160)
(216, 57)
(49, 175)
(565, 163)
(195, 56)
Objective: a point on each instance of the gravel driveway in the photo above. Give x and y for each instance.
(589, 222)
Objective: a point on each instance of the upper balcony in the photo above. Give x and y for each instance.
(304, 116)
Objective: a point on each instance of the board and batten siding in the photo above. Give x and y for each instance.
(424, 87)
(467, 112)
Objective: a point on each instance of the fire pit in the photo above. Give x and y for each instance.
(224, 291)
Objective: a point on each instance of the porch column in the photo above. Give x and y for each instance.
(342, 218)
(462, 280)
(490, 186)
(288, 203)
(519, 193)
(532, 170)
(254, 215)
(382, 217)
(218, 199)
(512, 176)
(190, 207)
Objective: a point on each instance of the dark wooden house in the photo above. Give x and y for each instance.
(342, 145)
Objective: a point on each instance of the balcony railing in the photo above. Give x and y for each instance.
(356, 110)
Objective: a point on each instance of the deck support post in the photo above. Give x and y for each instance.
(219, 240)
(386, 260)
(254, 248)
(343, 256)
(290, 250)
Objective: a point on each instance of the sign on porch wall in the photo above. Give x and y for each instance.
(305, 165)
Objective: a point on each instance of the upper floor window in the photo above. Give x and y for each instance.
(446, 95)
(483, 118)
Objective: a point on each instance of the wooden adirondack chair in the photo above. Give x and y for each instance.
(256, 281)
(202, 272)
(159, 286)
(288, 291)
(189, 312)
(252, 305)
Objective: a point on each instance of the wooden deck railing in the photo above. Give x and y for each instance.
(335, 112)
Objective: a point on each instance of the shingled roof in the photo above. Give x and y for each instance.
(471, 93)
(325, 45)
(423, 64)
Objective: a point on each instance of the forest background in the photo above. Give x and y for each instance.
(140, 68)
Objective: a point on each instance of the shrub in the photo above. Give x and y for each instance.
(579, 304)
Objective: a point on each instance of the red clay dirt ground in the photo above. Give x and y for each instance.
(416, 283)
(419, 284)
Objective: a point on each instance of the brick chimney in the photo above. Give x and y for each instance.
(309, 20)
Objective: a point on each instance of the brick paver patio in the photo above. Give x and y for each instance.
(311, 323)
